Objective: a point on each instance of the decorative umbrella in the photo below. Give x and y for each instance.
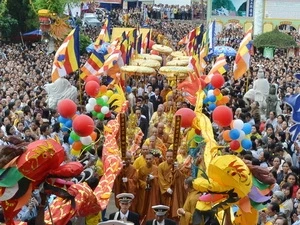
(226, 50)
(146, 62)
(177, 54)
(170, 72)
(183, 57)
(162, 49)
(177, 63)
(137, 70)
(148, 56)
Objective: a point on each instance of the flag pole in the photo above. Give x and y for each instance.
(80, 87)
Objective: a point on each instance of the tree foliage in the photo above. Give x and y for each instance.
(56, 6)
(6, 21)
(274, 39)
(84, 42)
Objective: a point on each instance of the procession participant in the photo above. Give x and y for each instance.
(124, 214)
(126, 181)
(148, 193)
(186, 212)
(160, 216)
(141, 160)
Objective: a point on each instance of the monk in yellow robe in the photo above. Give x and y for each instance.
(127, 182)
(165, 178)
(187, 211)
(156, 143)
(141, 161)
(149, 193)
(158, 116)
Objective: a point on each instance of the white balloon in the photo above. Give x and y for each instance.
(86, 140)
(104, 110)
(89, 107)
(210, 93)
(105, 98)
(92, 102)
(242, 135)
(238, 124)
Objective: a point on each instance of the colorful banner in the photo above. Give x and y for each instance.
(229, 8)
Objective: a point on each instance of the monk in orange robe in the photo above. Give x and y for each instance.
(127, 182)
(149, 193)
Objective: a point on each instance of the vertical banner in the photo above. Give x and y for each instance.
(125, 5)
(176, 137)
(251, 8)
(123, 143)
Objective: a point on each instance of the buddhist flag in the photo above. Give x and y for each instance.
(103, 36)
(92, 65)
(220, 66)
(66, 59)
(146, 42)
(242, 58)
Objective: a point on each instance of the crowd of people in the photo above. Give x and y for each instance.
(159, 186)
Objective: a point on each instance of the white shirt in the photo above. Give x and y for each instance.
(162, 222)
(124, 215)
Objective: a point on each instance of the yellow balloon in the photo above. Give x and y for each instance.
(219, 97)
(109, 93)
(75, 152)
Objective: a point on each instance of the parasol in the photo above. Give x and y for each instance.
(137, 70)
(162, 49)
(226, 50)
(148, 56)
(175, 71)
(146, 62)
(183, 57)
(178, 63)
(177, 54)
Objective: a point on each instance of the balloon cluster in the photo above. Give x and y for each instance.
(214, 96)
(65, 123)
(82, 134)
(238, 136)
(98, 103)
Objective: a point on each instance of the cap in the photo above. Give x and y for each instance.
(125, 197)
(160, 210)
(279, 195)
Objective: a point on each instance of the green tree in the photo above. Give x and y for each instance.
(56, 6)
(84, 41)
(7, 23)
(274, 39)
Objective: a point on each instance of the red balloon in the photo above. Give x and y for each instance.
(92, 78)
(187, 117)
(92, 88)
(97, 108)
(83, 125)
(66, 108)
(108, 115)
(234, 145)
(222, 115)
(217, 80)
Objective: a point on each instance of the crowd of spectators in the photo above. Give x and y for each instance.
(24, 70)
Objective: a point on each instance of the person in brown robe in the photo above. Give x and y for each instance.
(149, 193)
(127, 182)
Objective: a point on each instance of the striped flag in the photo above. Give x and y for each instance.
(220, 66)
(92, 65)
(139, 44)
(242, 58)
(66, 59)
(103, 36)
(146, 42)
